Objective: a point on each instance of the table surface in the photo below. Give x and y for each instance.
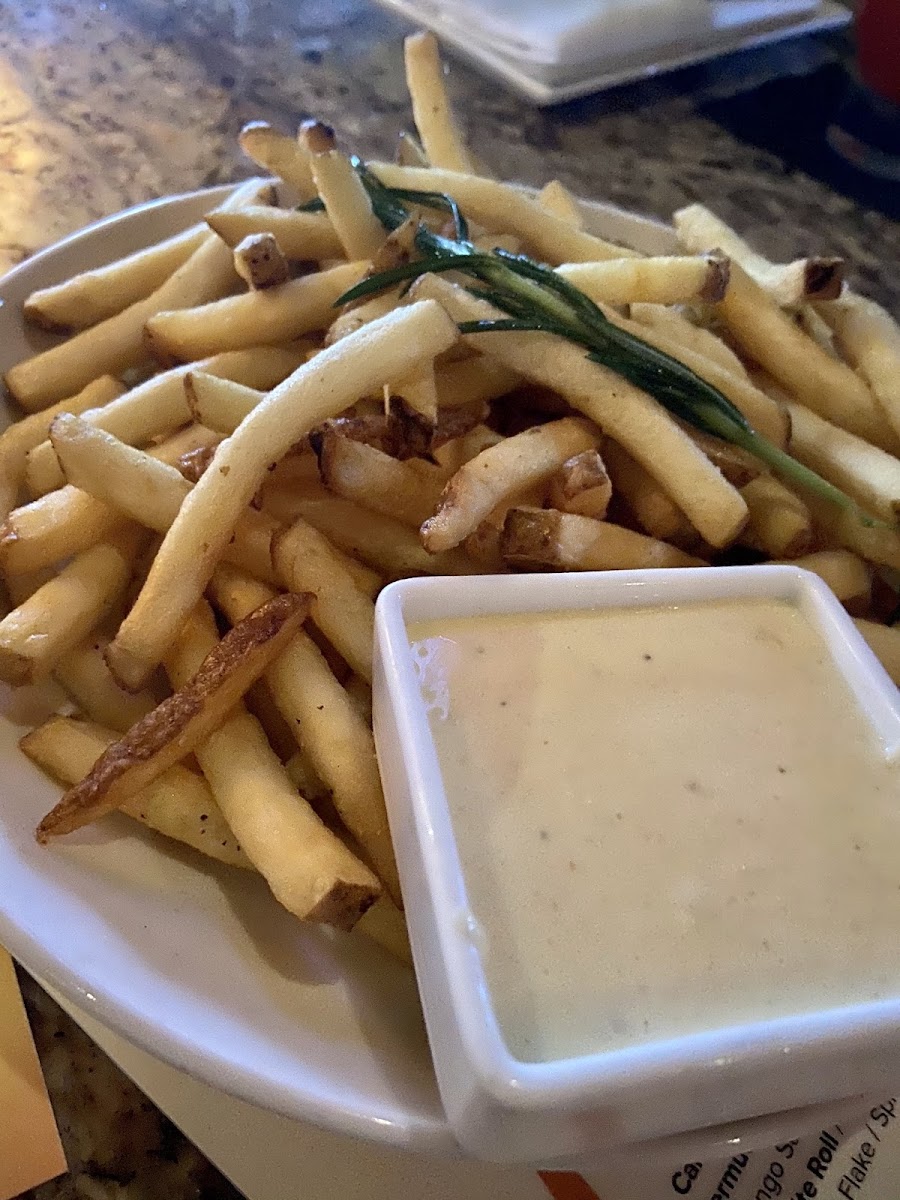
(104, 105)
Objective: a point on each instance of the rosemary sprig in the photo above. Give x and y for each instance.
(537, 298)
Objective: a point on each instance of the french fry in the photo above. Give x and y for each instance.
(870, 339)
(392, 548)
(830, 388)
(652, 507)
(535, 538)
(118, 342)
(179, 724)
(884, 642)
(846, 574)
(260, 261)
(70, 519)
(624, 412)
(499, 474)
(84, 675)
(375, 480)
(501, 208)
(55, 618)
(767, 415)
(128, 483)
(327, 726)
(302, 236)
(321, 388)
(441, 139)
(276, 314)
(94, 296)
(310, 871)
(788, 284)
(684, 333)
(345, 199)
(159, 407)
(582, 485)
(384, 923)
(409, 151)
(279, 154)
(354, 316)
(557, 199)
(177, 804)
(453, 454)
(864, 472)
(737, 465)
(303, 557)
(20, 438)
(419, 391)
(471, 381)
(651, 280)
(219, 404)
(780, 524)
(840, 527)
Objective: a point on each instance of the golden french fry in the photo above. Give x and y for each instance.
(96, 295)
(830, 388)
(501, 208)
(681, 332)
(870, 338)
(384, 923)
(538, 538)
(304, 558)
(624, 412)
(159, 407)
(780, 524)
(321, 388)
(788, 284)
(177, 804)
(219, 404)
(419, 391)
(864, 472)
(846, 574)
(557, 199)
(392, 548)
(326, 724)
(275, 314)
(499, 474)
(260, 261)
(582, 485)
(118, 342)
(345, 199)
(354, 316)
(840, 527)
(280, 154)
(650, 506)
(36, 635)
(182, 722)
(884, 642)
(737, 465)
(302, 236)
(84, 675)
(375, 480)
(440, 136)
(71, 519)
(651, 280)
(308, 868)
(767, 415)
(473, 380)
(454, 453)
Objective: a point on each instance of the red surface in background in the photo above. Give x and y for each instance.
(878, 41)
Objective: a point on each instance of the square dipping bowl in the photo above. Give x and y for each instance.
(733, 1088)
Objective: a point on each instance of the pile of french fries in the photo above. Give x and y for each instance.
(195, 557)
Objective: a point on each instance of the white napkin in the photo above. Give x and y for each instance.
(566, 33)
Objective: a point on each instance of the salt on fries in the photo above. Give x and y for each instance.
(290, 457)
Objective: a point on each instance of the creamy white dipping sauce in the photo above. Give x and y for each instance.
(669, 820)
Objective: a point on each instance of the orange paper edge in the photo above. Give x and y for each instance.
(30, 1149)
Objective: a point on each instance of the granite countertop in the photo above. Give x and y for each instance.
(106, 104)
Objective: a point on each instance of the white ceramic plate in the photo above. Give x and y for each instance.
(192, 962)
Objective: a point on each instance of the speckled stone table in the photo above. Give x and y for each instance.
(106, 104)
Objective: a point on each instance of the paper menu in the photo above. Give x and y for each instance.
(30, 1149)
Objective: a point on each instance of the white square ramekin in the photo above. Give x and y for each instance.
(731, 1079)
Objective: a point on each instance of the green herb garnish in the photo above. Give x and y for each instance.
(536, 298)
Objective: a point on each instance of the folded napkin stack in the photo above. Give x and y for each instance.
(554, 44)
